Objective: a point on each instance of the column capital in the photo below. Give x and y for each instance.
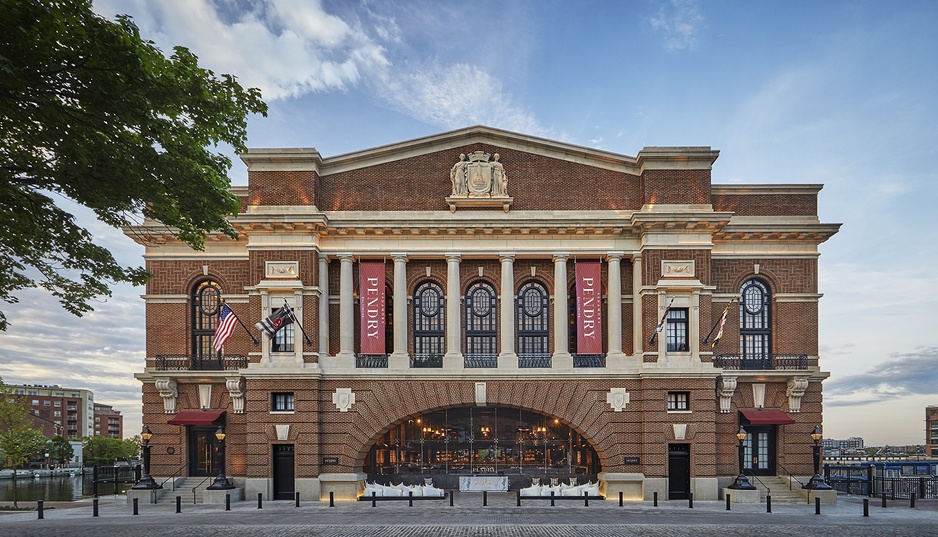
(560, 257)
(345, 257)
(636, 256)
(505, 256)
(398, 256)
(450, 257)
(614, 256)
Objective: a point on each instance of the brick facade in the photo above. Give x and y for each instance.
(675, 236)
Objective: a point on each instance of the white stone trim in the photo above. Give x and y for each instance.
(725, 391)
(617, 398)
(796, 388)
(169, 392)
(343, 398)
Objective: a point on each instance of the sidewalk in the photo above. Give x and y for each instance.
(469, 517)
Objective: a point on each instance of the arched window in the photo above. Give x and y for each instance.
(481, 326)
(205, 302)
(755, 332)
(533, 325)
(429, 325)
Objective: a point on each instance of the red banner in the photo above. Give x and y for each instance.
(371, 306)
(589, 302)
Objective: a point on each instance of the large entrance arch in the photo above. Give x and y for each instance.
(481, 440)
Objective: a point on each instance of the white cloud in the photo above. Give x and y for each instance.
(679, 23)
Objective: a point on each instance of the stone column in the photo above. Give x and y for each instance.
(453, 359)
(562, 359)
(637, 306)
(614, 301)
(346, 308)
(398, 358)
(507, 359)
(323, 305)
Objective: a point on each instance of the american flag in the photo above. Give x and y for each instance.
(226, 325)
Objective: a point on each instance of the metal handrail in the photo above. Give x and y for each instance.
(371, 360)
(767, 363)
(173, 477)
(589, 360)
(474, 360)
(533, 359)
(195, 488)
(768, 491)
(186, 362)
(790, 476)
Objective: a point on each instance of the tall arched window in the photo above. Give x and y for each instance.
(755, 332)
(429, 325)
(481, 326)
(205, 302)
(533, 325)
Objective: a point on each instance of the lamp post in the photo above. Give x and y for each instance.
(817, 482)
(543, 431)
(221, 482)
(146, 482)
(742, 482)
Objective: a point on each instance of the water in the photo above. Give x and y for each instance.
(55, 488)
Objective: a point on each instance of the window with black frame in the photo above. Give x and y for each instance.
(481, 325)
(677, 330)
(282, 340)
(281, 402)
(533, 325)
(429, 325)
(205, 304)
(755, 332)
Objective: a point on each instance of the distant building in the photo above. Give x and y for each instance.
(931, 430)
(58, 411)
(852, 443)
(107, 421)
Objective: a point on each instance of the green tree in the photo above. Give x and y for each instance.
(92, 113)
(18, 444)
(13, 411)
(104, 450)
(60, 450)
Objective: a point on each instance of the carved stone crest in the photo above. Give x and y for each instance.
(343, 399)
(478, 180)
(617, 398)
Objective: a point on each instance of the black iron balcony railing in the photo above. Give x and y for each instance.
(528, 360)
(426, 361)
(589, 360)
(481, 360)
(766, 362)
(371, 360)
(184, 362)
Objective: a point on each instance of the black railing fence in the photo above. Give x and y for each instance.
(767, 362)
(869, 481)
(184, 362)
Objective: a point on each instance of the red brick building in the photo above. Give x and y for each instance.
(67, 412)
(107, 421)
(484, 302)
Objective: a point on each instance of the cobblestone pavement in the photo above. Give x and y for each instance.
(502, 517)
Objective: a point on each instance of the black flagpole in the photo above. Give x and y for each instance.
(297, 323)
(654, 335)
(720, 320)
(250, 335)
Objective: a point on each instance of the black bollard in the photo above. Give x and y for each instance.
(884, 500)
(451, 498)
(690, 500)
(656, 499)
(297, 504)
(586, 499)
(768, 504)
(136, 509)
(866, 507)
(485, 498)
(39, 508)
(620, 498)
(94, 508)
(817, 505)
(518, 496)
(178, 504)
(551, 498)
(374, 502)
(331, 499)
(410, 498)
(94, 481)
(260, 500)
(227, 502)
(912, 500)
(727, 502)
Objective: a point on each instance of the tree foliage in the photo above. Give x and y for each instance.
(92, 113)
(13, 411)
(106, 450)
(60, 450)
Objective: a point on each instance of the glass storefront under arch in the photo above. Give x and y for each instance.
(482, 440)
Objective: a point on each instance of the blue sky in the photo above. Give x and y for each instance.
(839, 93)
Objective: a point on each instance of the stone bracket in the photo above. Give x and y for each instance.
(169, 393)
(236, 391)
(725, 392)
(796, 388)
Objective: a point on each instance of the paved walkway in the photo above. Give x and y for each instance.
(502, 517)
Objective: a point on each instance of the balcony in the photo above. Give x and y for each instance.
(530, 360)
(426, 361)
(480, 360)
(771, 362)
(182, 362)
(589, 360)
(371, 360)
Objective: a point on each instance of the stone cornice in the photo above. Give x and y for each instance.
(764, 189)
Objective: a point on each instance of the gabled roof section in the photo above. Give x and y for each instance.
(651, 157)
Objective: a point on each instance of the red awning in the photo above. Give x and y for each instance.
(762, 416)
(196, 418)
